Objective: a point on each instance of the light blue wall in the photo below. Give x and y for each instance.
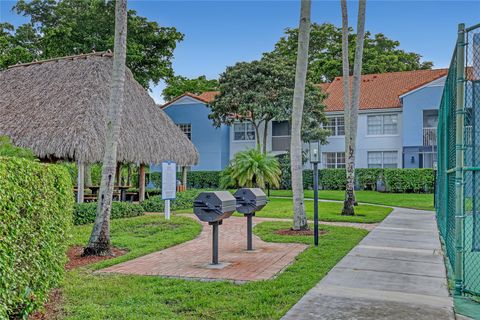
(212, 143)
(426, 98)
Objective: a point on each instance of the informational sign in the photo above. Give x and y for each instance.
(169, 180)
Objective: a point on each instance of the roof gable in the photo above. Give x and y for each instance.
(383, 90)
(377, 91)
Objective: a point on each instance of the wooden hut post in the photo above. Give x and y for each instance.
(141, 183)
(118, 174)
(80, 181)
(184, 177)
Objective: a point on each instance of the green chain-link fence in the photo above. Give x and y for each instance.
(458, 180)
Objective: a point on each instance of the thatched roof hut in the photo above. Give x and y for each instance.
(58, 109)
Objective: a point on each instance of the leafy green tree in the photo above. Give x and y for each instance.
(381, 54)
(260, 91)
(252, 169)
(178, 85)
(69, 27)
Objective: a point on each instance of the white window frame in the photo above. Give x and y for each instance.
(383, 163)
(382, 116)
(245, 131)
(337, 164)
(186, 129)
(334, 127)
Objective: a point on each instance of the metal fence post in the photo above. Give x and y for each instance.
(459, 150)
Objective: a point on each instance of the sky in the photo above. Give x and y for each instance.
(220, 33)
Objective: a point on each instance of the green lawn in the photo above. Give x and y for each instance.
(422, 201)
(327, 211)
(89, 296)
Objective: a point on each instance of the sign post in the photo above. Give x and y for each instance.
(169, 184)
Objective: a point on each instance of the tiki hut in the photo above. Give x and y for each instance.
(58, 109)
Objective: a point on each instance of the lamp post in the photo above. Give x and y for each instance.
(314, 147)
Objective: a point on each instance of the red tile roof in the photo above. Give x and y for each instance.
(382, 90)
(186, 94)
(377, 91)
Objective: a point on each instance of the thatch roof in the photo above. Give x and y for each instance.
(58, 108)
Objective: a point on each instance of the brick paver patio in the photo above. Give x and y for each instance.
(192, 259)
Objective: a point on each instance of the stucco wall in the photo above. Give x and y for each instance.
(414, 103)
(367, 142)
(212, 143)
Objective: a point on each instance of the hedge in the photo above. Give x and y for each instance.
(184, 200)
(195, 179)
(36, 205)
(85, 212)
(395, 180)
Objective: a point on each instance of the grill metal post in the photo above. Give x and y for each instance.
(249, 231)
(215, 242)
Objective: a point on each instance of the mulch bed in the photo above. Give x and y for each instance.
(75, 258)
(290, 232)
(53, 309)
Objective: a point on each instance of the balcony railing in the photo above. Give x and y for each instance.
(429, 136)
(280, 143)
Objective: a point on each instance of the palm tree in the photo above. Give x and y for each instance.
(251, 168)
(299, 216)
(351, 106)
(99, 243)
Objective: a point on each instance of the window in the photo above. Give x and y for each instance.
(281, 129)
(382, 159)
(243, 132)
(334, 159)
(336, 125)
(187, 129)
(382, 124)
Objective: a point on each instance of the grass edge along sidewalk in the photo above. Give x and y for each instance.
(89, 296)
(419, 201)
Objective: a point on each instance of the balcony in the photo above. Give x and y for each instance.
(429, 136)
(280, 143)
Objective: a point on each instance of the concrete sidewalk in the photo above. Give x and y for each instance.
(396, 272)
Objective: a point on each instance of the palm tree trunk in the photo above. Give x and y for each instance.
(99, 243)
(299, 217)
(348, 205)
(351, 137)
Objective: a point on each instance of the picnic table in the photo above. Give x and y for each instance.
(119, 191)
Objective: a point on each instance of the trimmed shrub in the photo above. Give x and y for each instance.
(409, 180)
(85, 212)
(195, 179)
(183, 201)
(396, 180)
(36, 205)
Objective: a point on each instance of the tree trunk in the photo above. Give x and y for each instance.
(299, 217)
(88, 175)
(257, 135)
(351, 137)
(99, 243)
(265, 134)
(348, 205)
